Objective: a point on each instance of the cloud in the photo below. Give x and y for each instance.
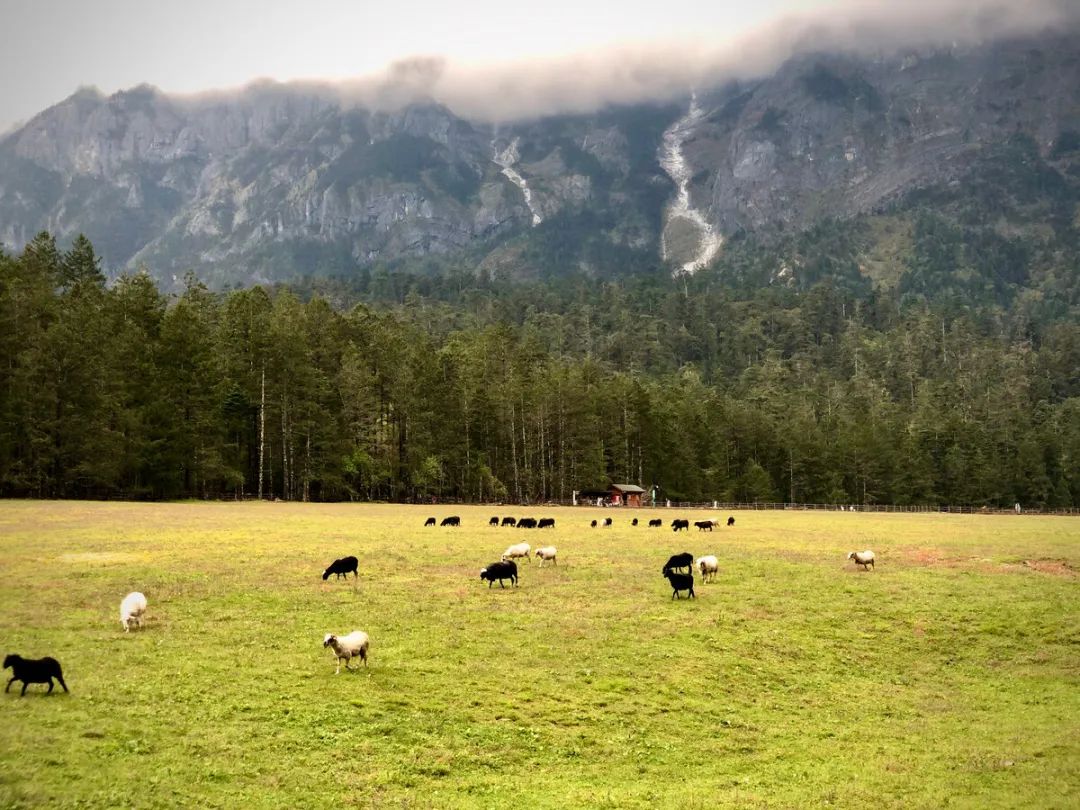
(660, 71)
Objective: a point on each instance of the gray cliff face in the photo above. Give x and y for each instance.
(277, 181)
(834, 136)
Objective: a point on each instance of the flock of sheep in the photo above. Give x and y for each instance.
(678, 570)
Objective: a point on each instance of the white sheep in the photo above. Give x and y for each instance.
(863, 558)
(518, 550)
(132, 609)
(708, 566)
(546, 553)
(354, 645)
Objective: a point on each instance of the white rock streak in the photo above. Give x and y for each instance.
(506, 160)
(673, 161)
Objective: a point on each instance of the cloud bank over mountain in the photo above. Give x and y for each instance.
(657, 71)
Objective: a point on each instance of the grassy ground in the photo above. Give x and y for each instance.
(948, 676)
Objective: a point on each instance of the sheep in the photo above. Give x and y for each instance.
(680, 523)
(546, 553)
(679, 561)
(708, 566)
(680, 582)
(593, 524)
(731, 521)
(453, 520)
(527, 523)
(863, 558)
(633, 522)
(504, 569)
(354, 645)
(29, 670)
(546, 523)
(509, 521)
(429, 522)
(655, 523)
(704, 525)
(132, 608)
(517, 550)
(493, 522)
(342, 568)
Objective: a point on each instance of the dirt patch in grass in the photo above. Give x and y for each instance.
(933, 557)
(1054, 568)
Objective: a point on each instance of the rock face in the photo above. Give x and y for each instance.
(276, 181)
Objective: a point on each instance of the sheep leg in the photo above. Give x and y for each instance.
(50, 686)
(63, 684)
(24, 685)
(9, 683)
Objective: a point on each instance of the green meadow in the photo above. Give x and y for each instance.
(948, 676)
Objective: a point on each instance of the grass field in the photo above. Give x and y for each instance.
(948, 676)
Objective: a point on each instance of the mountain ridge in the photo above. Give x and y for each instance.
(278, 182)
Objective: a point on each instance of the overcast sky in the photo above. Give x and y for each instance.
(51, 47)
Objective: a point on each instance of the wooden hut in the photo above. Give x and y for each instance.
(625, 495)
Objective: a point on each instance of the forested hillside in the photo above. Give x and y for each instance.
(926, 354)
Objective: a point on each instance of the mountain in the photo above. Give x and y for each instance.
(277, 182)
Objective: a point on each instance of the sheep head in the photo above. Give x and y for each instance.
(11, 661)
(330, 639)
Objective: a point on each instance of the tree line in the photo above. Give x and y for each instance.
(824, 392)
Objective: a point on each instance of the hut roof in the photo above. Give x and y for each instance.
(627, 488)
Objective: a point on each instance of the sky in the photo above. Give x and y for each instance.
(50, 48)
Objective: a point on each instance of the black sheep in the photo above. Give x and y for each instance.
(342, 568)
(509, 521)
(593, 524)
(546, 523)
(704, 525)
(633, 522)
(680, 582)
(527, 523)
(679, 523)
(28, 670)
(731, 521)
(655, 523)
(504, 569)
(607, 521)
(679, 561)
(429, 522)
(453, 520)
(493, 522)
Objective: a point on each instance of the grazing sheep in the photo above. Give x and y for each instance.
(132, 608)
(354, 645)
(704, 525)
(429, 522)
(731, 521)
(504, 569)
(680, 523)
(633, 522)
(29, 670)
(342, 568)
(593, 524)
(607, 521)
(678, 562)
(453, 520)
(509, 521)
(546, 553)
(863, 558)
(546, 523)
(708, 566)
(493, 522)
(680, 582)
(527, 523)
(655, 523)
(517, 551)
